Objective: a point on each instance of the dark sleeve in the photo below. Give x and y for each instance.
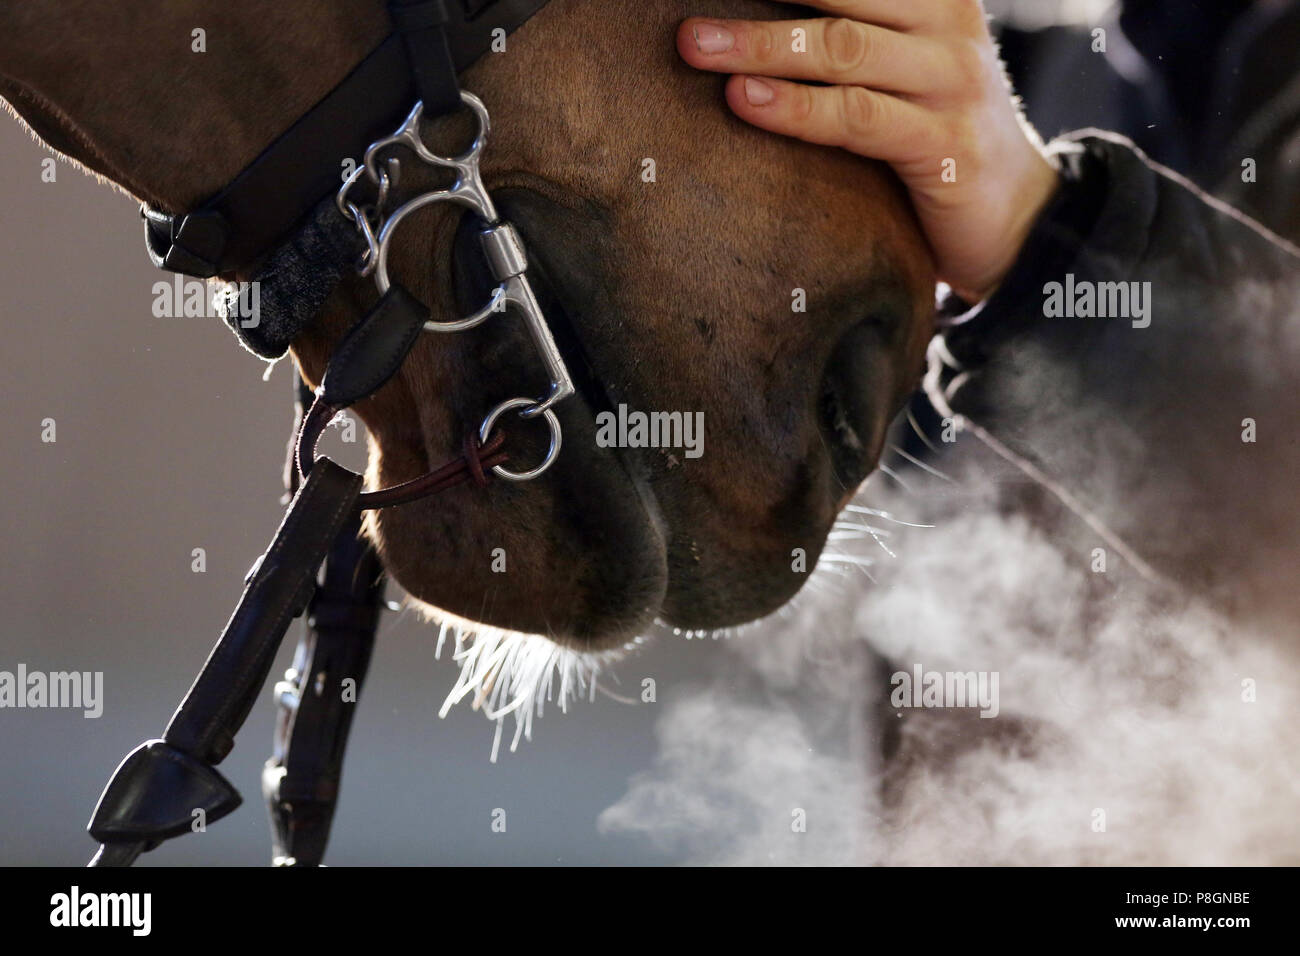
(1147, 417)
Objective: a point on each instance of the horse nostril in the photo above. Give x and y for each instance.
(852, 402)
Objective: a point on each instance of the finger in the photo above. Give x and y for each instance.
(862, 121)
(825, 50)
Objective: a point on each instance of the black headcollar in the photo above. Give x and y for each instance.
(271, 198)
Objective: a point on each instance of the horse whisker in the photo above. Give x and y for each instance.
(894, 475)
(911, 420)
(865, 528)
(512, 673)
(856, 559)
(859, 509)
(920, 464)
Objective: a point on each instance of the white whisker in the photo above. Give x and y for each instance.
(920, 464)
(855, 559)
(894, 475)
(911, 420)
(510, 673)
(859, 509)
(601, 688)
(856, 532)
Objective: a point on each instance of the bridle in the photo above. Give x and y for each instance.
(285, 210)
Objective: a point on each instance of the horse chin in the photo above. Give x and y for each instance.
(586, 559)
(582, 558)
(594, 586)
(577, 557)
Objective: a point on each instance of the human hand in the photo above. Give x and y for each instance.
(917, 84)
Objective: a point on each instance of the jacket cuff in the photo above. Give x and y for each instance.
(1095, 227)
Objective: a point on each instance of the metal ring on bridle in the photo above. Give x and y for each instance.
(467, 190)
(408, 135)
(382, 281)
(551, 453)
(502, 247)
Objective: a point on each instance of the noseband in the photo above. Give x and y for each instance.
(285, 212)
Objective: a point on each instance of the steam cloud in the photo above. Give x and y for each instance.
(1116, 697)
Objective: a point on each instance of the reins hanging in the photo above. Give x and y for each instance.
(164, 786)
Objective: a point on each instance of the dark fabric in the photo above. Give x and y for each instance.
(1183, 40)
(297, 279)
(1146, 424)
(1058, 237)
(1200, 85)
(1118, 217)
(1265, 102)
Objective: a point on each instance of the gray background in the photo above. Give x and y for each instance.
(168, 439)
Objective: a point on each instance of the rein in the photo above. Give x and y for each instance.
(285, 210)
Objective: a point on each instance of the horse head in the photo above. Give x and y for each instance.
(776, 292)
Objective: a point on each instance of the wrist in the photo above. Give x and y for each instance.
(1035, 190)
(1057, 243)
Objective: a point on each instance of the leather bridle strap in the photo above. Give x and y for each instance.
(170, 786)
(156, 791)
(318, 697)
(434, 40)
(422, 25)
(260, 207)
(165, 787)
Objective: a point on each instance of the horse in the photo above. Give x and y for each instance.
(680, 288)
(778, 293)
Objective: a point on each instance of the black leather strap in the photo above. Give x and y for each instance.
(154, 791)
(316, 703)
(263, 204)
(422, 25)
(144, 802)
(154, 794)
(278, 591)
(372, 352)
(239, 225)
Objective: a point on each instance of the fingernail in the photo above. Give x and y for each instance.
(713, 39)
(757, 92)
